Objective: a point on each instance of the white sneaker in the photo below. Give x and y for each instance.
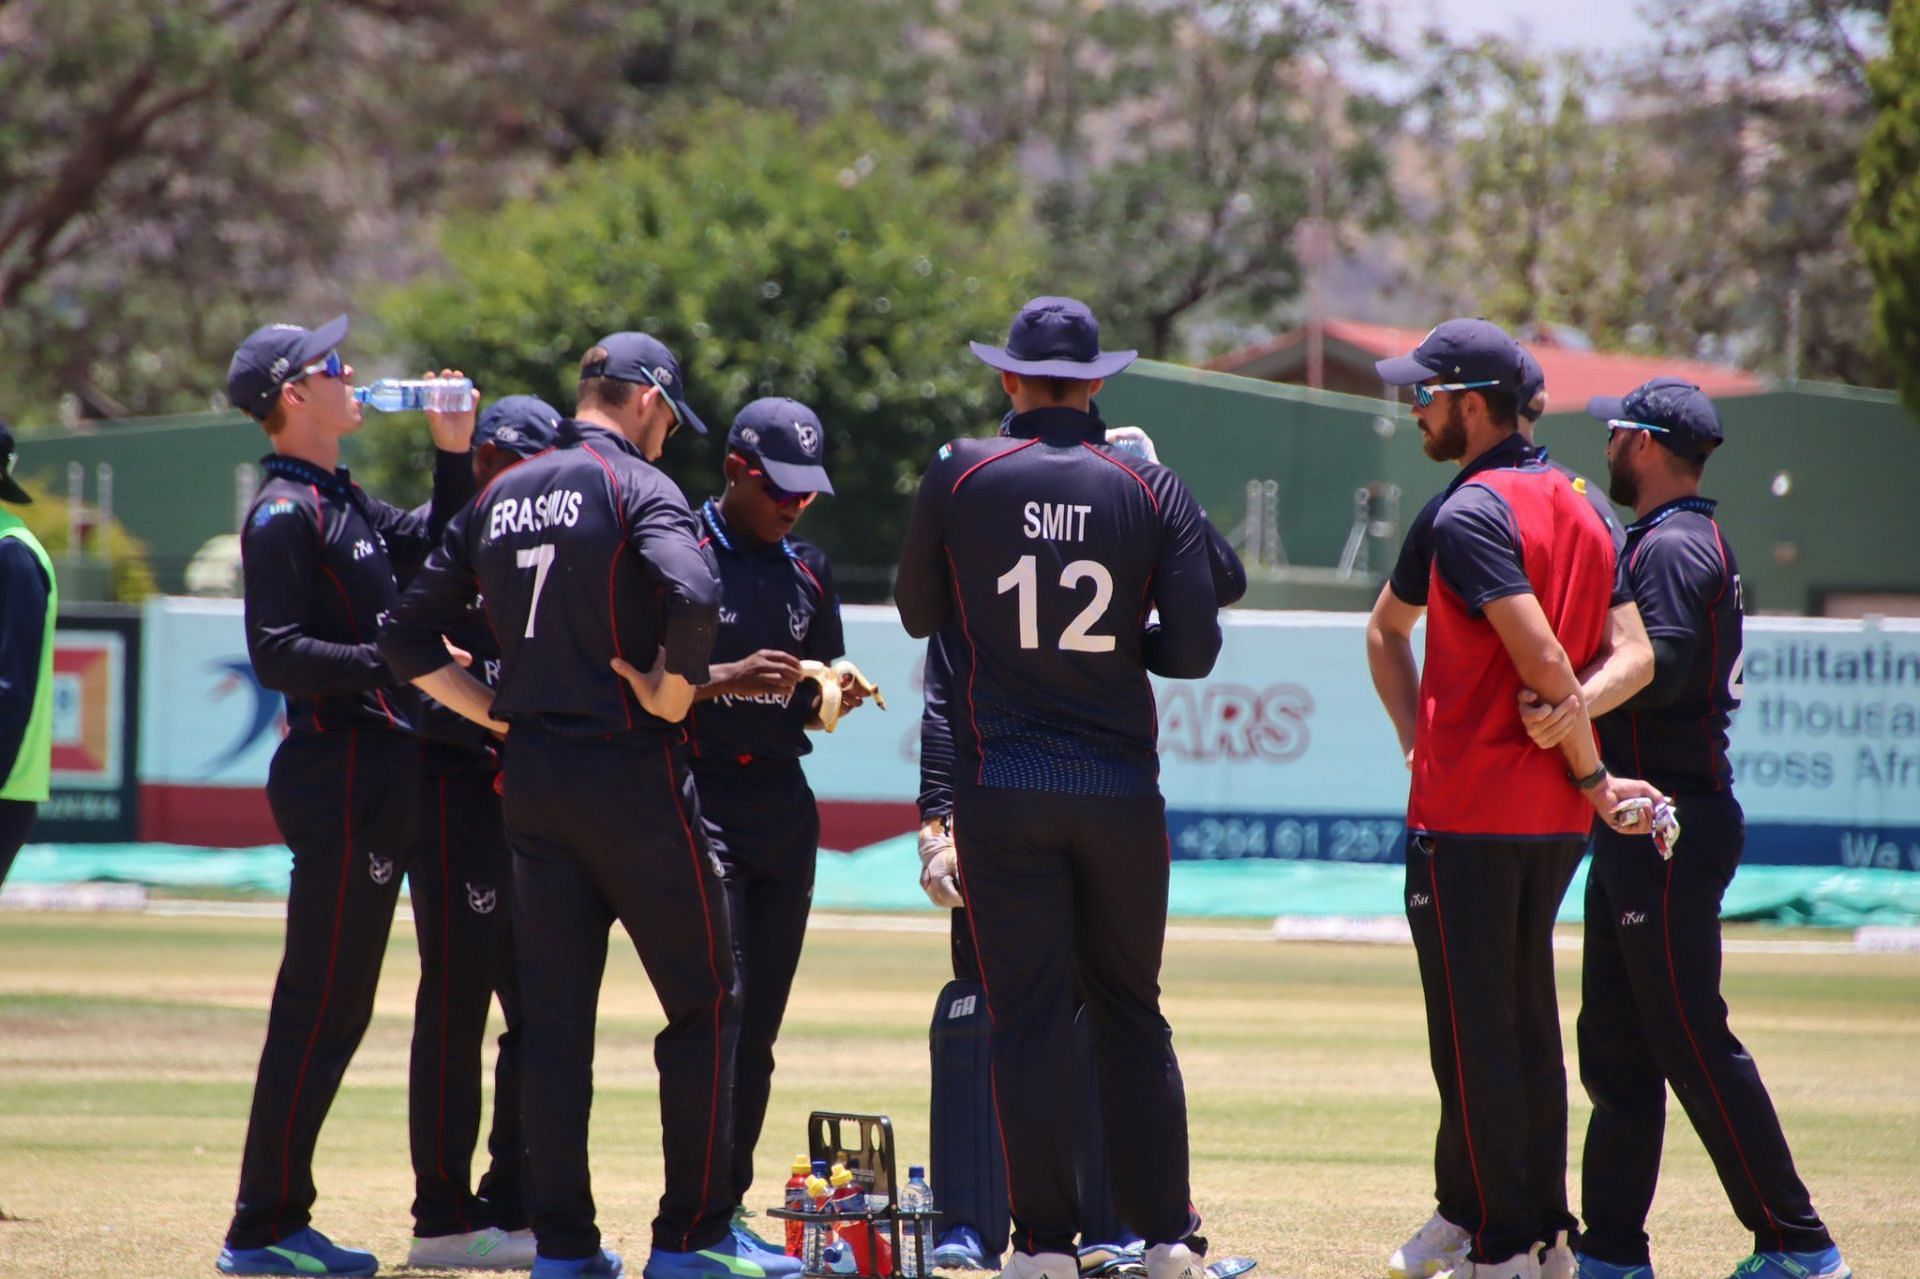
(1041, 1265)
(1173, 1261)
(1524, 1266)
(1558, 1263)
(489, 1249)
(1436, 1247)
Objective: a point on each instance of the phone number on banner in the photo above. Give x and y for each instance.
(1231, 837)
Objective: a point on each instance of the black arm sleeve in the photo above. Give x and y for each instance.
(413, 535)
(663, 532)
(280, 560)
(1672, 660)
(23, 631)
(936, 734)
(434, 604)
(1185, 643)
(1229, 574)
(921, 589)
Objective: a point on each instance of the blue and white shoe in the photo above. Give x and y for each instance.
(727, 1259)
(604, 1265)
(1794, 1265)
(960, 1249)
(1585, 1267)
(304, 1252)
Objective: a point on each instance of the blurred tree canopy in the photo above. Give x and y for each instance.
(1887, 222)
(830, 264)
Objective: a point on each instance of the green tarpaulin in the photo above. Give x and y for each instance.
(885, 876)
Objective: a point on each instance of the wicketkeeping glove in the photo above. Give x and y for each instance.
(939, 864)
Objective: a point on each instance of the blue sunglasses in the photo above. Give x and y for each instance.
(1617, 424)
(332, 366)
(1423, 394)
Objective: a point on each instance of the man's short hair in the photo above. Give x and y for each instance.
(1056, 388)
(1503, 406)
(609, 392)
(276, 419)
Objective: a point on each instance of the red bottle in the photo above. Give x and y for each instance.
(795, 1200)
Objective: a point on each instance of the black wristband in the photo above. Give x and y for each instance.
(1591, 780)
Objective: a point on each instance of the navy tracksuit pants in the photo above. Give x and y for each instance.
(765, 830)
(460, 878)
(1063, 889)
(604, 829)
(1651, 1014)
(16, 823)
(1482, 913)
(344, 803)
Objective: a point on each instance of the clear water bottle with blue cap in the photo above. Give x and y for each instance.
(916, 1196)
(417, 394)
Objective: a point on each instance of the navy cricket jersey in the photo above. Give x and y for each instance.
(936, 728)
(454, 743)
(319, 582)
(1414, 567)
(1687, 583)
(1048, 548)
(582, 553)
(779, 596)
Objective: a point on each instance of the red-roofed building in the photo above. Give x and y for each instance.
(1573, 373)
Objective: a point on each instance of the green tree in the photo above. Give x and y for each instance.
(825, 264)
(1886, 225)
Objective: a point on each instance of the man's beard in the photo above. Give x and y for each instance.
(1449, 442)
(1622, 487)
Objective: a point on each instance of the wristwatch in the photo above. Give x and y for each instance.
(1591, 780)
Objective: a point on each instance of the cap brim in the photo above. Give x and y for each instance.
(318, 342)
(11, 491)
(1101, 366)
(1402, 370)
(796, 477)
(1606, 406)
(691, 418)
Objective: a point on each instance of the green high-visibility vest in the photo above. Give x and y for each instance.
(29, 778)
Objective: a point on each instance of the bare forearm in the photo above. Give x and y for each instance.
(1622, 668)
(1396, 678)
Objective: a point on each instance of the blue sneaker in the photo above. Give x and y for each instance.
(1794, 1265)
(607, 1265)
(750, 1241)
(1585, 1267)
(728, 1259)
(304, 1252)
(960, 1249)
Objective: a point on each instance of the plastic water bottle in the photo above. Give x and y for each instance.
(795, 1200)
(404, 395)
(818, 1232)
(916, 1196)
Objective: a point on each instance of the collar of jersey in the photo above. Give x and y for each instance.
(1056, 421)
(574, 431)
(723, 533)
(337, 481)
(1511, 451)
(1661, 514)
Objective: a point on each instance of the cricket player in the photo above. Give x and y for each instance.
(459, 877)
(778, 608)
(315, 556)
(29, 602)
(1521, 584)
(1048, 548)
(604, 604)
(1651, 1010)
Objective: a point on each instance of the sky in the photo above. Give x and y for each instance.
(1559, 24)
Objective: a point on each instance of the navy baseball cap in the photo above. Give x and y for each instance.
(10, 489)
(644, 359)
(520, 424)
(1054, 337)
(1676, 412)
(272, 356)
(1532, 382)
(1460, 350)
(788, 439)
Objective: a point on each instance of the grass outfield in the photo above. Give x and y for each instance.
(128, 1043)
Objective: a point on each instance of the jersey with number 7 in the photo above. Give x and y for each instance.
(580, 554)
(1049, 550)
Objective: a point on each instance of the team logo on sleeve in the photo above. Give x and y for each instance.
(279, 506)
(946, 451)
